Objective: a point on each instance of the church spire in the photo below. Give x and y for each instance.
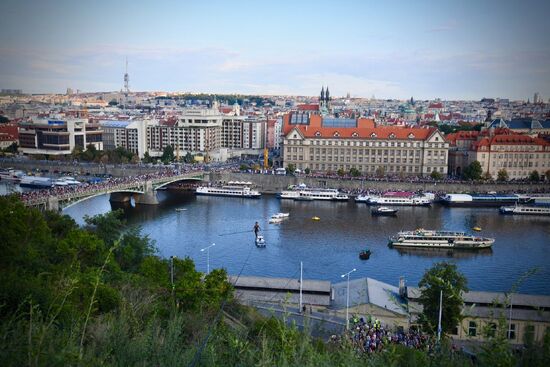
(327, 95)
(322, 94)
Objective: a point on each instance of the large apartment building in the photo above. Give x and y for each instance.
(58, 136)
(130, 135)
(329, 144)
(497, 149)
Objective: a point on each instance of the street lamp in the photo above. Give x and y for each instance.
(208, 257)
(347, 298)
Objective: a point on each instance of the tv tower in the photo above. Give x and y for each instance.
(126, 80)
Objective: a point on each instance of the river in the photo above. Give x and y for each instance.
(330, 247)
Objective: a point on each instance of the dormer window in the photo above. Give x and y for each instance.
(336, 134)
(411, 136)
(392, 136)
(354, 135)
(318, 133)
(373, 135)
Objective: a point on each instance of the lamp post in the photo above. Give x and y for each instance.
(208, 257)
(440, 313)
(301, 282)
(347, 297)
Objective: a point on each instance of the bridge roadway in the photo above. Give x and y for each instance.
(143, 192)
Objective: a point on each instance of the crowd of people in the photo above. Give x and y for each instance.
(370, 336)
(106, 184)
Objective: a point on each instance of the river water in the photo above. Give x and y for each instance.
(330, 247)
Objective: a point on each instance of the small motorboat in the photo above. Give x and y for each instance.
(181, 209)
(280, 215)
(365, 254)
(260, 241)
(476, 228)
(383, 210)
(275, 220)
(316, 219)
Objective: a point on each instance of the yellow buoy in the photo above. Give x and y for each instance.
(315, 218)
(477, 229)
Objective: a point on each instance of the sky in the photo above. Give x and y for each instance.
(387, 49)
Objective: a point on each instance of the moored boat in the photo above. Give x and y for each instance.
(304, 193)
(384, 211)
(525, 210)
(490, 199)
(36, 182)
(11, 175)
(401, 198)
(260, 241)
(439, 239)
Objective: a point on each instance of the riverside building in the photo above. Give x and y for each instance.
(329, 144)
(58, 136)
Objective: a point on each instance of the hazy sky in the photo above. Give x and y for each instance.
(391, 49)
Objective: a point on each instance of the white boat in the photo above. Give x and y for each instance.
(525, 210)
(275, 220)
(439, 239)
(304, 193)
(407, 199)
(362, 198)
(11, 175)
(281, 215)
(384, 211)
(260, 241)
(181, 209)
(60, 183)
(69, 180)
(242, 191)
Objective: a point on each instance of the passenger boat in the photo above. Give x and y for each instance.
(401, 198)
(316, 219)
(525, 210)
(363, 198)
(281, 215)
(439, 239)
(365, 254)
(490, 199)
(384, 211)
(11, 175)
(303, 193)
(181, 209)
(60, 183)
(260, 241)
(35, 182)
(236, 190)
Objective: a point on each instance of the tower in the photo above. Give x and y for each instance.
(322, 99)
(126, 80)
(327, 96)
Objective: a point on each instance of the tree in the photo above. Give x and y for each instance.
(444, 277)
(487, 176)
(113, 102)
(12, 148)
(168, 154)
(534, 176)
(290, 168)
(354, 172)
(380, 171)
(502, 175)
(147, 158)
(473, 171)
(188, 158)
(307, 171)
(340, 172)
(4, 119)
(547, 175)
(436, 175)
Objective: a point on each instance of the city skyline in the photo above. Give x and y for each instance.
(426, 49)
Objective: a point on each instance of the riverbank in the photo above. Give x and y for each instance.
(272, 184)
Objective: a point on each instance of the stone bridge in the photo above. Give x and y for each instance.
(143, 192)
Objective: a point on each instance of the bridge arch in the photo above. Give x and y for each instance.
(192, 179)
(64, 204)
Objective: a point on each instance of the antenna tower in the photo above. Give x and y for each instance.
(126, 80)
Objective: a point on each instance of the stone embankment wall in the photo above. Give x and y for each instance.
(271, 184)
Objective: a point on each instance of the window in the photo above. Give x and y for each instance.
(529, 334)
(472, 328)
(512, 331)
(454, 331)
(491, 329)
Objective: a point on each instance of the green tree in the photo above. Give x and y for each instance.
(547, 175)
(12, 148)
(534, 176)
(473, 171)
(307, 171)
(133, 249)
(340, 172)
(444, 277)
(380, 171)
(354, 172)
(502, 175)
(106, 226)
(4, 119)
(290, 168)
(168, 154)
(436, 175)
(188, 158)
(487, 176)
(113, 102)
(147, 158)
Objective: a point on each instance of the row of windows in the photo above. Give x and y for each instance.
(370, 169)
(474, 330)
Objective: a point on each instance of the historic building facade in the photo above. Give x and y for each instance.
(329, 144)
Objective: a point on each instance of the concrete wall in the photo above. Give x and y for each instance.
(275, 183)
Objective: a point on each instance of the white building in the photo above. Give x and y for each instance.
(132, 135)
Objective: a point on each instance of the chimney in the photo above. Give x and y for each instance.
(402, 287)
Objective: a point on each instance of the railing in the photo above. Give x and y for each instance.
(125, 186)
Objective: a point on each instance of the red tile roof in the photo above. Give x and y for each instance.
(365, 129)
(308, 107)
